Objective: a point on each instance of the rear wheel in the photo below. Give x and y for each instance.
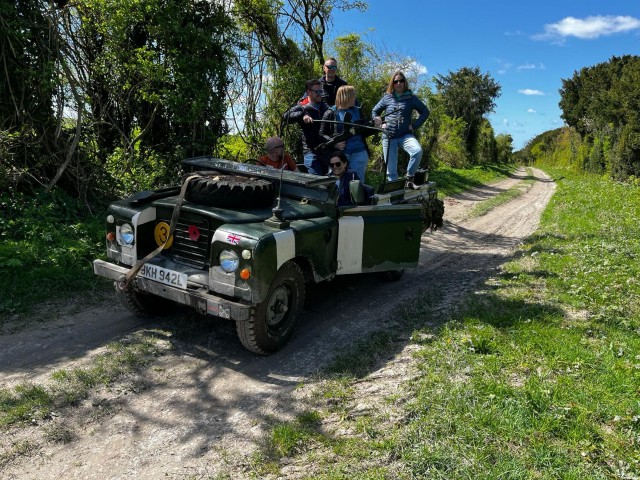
(273, 320)
(392, 275)
(142, 304)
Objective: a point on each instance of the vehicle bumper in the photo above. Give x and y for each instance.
(198, 297)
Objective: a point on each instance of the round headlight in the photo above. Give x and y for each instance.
(229, 261)
(126, 234)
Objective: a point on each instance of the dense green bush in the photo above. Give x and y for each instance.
(47, 243)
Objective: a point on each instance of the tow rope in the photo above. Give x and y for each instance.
(123, 282)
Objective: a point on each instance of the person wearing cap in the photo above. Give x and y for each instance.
(276, 156)
(306, 113)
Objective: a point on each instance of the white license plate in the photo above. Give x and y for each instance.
(164, 275)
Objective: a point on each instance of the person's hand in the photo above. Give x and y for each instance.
(341, 145)
(377, 121)
(307, 119)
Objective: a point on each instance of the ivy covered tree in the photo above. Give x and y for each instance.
(469, 95)
(602, 103)
(28, 139)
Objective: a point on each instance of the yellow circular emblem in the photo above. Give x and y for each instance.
(161, 233)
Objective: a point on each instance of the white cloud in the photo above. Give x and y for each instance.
(531, 110)
(505, 122)
(588, 28)
(529, 91)
(527, 66)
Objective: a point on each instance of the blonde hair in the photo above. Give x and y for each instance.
(344, 95)
(397, 74)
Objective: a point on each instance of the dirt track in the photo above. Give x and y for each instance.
(207, 399)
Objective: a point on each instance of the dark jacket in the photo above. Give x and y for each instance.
(310, 131)
(344, 197)
(354, 136)
(331, 89)
(398, 121)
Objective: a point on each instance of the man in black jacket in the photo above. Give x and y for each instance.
(305, 113)
(330, 81)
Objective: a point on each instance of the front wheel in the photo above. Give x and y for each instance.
(274, 320)
(142, 304)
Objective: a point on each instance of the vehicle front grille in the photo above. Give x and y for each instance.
(191, 240)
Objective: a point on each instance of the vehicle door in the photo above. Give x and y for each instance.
(378, 238)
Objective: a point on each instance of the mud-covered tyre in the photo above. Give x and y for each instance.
(274, 320)
(230, 191)
(142, 304)
(392, 275)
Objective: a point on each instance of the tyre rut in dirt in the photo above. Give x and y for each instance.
(274, 320)
(142, 304)
(230, 191)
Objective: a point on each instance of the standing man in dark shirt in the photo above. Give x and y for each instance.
(330, 81)
(305, 113)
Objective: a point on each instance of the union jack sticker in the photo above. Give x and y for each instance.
(233, 239)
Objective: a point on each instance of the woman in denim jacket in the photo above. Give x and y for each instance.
(399, 102)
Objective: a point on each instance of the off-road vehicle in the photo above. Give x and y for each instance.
(240, 241)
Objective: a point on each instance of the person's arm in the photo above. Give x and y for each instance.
(377, 110)
(423, 111)
(327, 130)
(291, 163)
(294, 114)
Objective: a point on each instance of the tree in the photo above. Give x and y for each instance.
(28, 140)
(602, 103)
(469, 95)
(504, 148)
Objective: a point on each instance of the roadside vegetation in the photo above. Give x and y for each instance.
(47, 243)
(536, 375)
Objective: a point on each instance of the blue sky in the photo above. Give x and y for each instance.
(527, 47)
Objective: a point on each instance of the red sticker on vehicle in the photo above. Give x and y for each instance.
(194, 233)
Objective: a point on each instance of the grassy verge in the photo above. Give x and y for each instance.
(536, 376)
(47, 243)
(32, 403)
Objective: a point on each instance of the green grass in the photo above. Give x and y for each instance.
(47, 244)
(29, 403)
(536, 376)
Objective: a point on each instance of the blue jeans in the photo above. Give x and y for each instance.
(409, 144)
(314, 164)
(358, 162)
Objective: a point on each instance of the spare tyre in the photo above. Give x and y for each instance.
(230, 191)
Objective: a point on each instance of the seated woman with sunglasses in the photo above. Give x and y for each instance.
(339, 165)
(399, 102)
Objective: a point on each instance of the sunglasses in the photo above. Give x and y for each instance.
(335, 164)
(318, 92)
(398, 81)
(277, 146)
(332, 67)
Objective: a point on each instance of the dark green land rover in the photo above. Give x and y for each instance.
(240, 241)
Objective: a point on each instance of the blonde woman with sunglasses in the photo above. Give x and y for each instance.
(399, 103)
